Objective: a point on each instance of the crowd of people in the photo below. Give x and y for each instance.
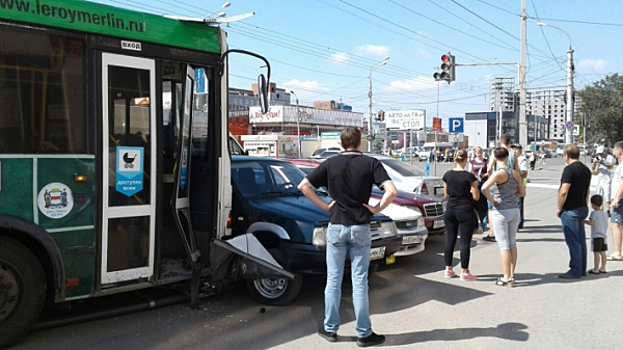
(478, 191)
(491, 193)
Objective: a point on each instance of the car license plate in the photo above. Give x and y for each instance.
(439, 224)
(438, 191)
(411, 240)
(377, 253)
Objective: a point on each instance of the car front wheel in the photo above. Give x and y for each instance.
(275, 291)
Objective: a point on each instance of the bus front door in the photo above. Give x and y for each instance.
(181, 201)
(129, 168)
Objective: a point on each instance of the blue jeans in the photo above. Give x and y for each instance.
(575, 237)
(354, 240)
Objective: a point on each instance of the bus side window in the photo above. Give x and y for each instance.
(49, 69)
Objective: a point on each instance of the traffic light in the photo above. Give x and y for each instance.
(447, 68)
(380, 115)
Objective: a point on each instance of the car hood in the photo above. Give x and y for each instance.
(397, 212)
(294, 207)
(299, 208)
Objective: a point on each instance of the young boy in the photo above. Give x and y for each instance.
(598, 220)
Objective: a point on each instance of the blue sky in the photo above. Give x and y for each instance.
(323, 49)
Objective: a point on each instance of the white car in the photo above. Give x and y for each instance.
(411, 227)
(409, 178)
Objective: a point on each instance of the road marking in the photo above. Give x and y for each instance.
(551, 187)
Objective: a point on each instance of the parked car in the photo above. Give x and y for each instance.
(409, 178)
(432, 209)
(324, 153)
(267, 203)
(410, 224)
(409, 220)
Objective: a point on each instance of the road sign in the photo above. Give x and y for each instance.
(436, 124)
(576, 130)
(455, 125)
(569, 125)
(458, 138)
(405, 120)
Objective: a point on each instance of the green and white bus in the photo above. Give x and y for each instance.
(103, 111)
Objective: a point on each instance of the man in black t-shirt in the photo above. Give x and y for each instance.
(349, 178)
(573, 209)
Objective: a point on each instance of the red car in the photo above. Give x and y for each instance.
(432, 209)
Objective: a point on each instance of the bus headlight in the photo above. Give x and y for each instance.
(319, 237)
(388, 229)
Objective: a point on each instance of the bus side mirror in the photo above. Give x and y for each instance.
(263, 93)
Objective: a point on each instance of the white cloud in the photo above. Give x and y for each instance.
(340, 57)
(414, 84)
(310, 86)
(598, 66)
(423, 53)
(375, 50)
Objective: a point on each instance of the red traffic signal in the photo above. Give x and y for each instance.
(447, 67)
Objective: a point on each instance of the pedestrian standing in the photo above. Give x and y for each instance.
(572, 209)
(461, 189)
(478, 167)
(598, 220)
(616, 215)
(602, 166)
(542, 157)
(523, 172)
(502, 190)
(532, 159)
(505, 142)
(349, 178)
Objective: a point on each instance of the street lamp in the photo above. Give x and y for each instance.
(225, 5)
(370, 130)
(298, 123)
(568, 134)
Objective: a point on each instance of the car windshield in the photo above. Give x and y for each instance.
(254, 178)
(403, 168)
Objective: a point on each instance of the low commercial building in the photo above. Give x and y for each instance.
(482, 128)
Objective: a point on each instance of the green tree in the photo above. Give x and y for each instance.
(602, 103)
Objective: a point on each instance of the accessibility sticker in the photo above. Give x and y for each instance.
(129, 172)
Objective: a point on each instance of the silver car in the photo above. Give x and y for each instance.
(409, 178)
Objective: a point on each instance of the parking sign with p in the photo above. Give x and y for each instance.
(455, 125)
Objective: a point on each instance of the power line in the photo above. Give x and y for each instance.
(500, 8)
(447, 26)
(407, 29)
(492, 24)
(580, 22)
(544, 37)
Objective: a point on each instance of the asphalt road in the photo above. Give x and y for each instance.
(411, 303)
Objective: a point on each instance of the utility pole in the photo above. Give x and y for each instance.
(569, 135)
(569, 118)
(523, 130)
(370, 129)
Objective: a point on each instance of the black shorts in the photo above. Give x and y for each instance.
(599, 245)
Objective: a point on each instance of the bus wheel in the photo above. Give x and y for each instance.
(22, 290)
(275, 291)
